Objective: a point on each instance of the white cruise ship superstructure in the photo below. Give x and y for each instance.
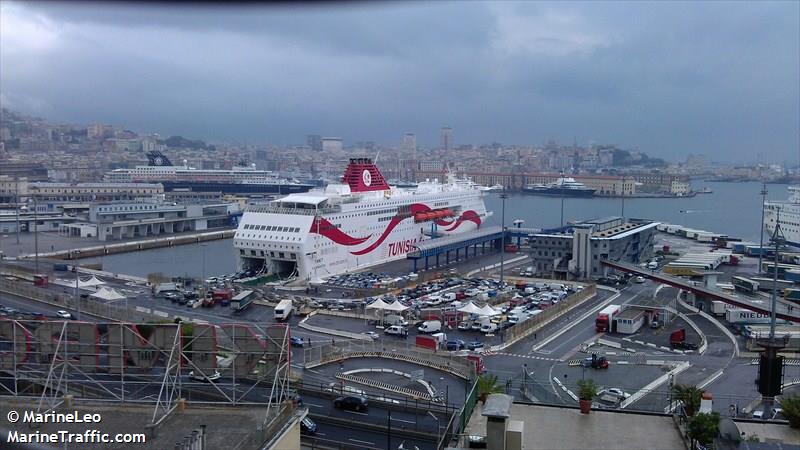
(788, 212)
(357, 223)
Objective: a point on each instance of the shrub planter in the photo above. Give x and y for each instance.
(586, 406)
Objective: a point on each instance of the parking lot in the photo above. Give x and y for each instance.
(442, 309)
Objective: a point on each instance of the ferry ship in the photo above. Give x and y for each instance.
(563, 187)
(238, 180)
(788, 213)
(353, 224)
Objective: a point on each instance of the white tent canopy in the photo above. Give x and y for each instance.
(94, 281)
(469, 308)
(488, 311)
(107, 294)
(378, 304)
(396, 306)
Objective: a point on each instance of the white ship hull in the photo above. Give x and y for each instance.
(788, 214)
(312, 236)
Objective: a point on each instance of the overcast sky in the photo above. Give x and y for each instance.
(668, 78)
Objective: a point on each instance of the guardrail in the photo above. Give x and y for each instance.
(110, 311)
(329, 353)
(528, 327)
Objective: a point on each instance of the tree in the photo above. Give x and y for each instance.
(587, 389)
(791, 410)
(704, 427)
(690, 396)
(487, 385)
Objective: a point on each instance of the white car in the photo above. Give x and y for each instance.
(639, 279)
(617, 392)
(200, 377)
(372, 334)
(63, 314)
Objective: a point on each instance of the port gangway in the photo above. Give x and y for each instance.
(783, 310)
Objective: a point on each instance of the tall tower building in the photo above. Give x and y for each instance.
(315, 142)
(410, 142)
(446, 140)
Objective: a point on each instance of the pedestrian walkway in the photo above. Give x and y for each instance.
(515, 355)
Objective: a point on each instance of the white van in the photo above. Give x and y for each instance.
(489, 328)
(449, 297)
(430, 326)
(653, 265)
(396, 330)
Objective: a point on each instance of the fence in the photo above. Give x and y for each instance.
(116, 311)
(469, 406)
(337, 351)
(526, 328)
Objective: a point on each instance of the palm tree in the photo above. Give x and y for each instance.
(690, 396)
(487, 385)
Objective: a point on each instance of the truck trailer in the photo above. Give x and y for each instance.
(605, 318)
(242, 301)
(283, 310)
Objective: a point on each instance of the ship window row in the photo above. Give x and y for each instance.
(272, 228)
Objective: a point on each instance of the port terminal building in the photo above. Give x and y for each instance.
(575, 251)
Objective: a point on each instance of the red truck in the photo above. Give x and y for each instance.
(605, 318)
(428, 342)
(478, 361)
(222, 296)
(677, 339)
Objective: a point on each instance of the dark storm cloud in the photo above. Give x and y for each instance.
(668, 78)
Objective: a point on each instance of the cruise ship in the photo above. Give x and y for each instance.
(563, 187)
(238, 180)
(353, 224)
(788, 212)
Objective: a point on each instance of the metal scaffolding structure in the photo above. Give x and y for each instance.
(147, 363)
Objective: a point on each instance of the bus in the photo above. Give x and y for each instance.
(745, 285)
(791, 295)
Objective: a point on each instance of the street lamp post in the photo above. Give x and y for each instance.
(503, 197)
(75, 265)
(203, 274)
(35, 235)
(761, 230)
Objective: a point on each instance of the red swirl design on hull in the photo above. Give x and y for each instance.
(325, 228)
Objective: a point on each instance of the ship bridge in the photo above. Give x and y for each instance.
(783, 309)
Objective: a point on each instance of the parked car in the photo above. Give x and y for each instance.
(464, 326)
(455, 344)
(296, 341)
(616, 392)
(475, 345)
(351, 402)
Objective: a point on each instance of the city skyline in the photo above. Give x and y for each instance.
(690, 82)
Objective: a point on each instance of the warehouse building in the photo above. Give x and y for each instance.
(576, 251)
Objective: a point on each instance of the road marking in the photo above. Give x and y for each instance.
(311, 404)
(361, 442)
(403, 420)
(359, 413)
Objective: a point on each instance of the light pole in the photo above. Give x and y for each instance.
(75, 255)
(761, 230)
(438, 425)
(503, 197)
(203, 274)
(35, 235)
(562, 210)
